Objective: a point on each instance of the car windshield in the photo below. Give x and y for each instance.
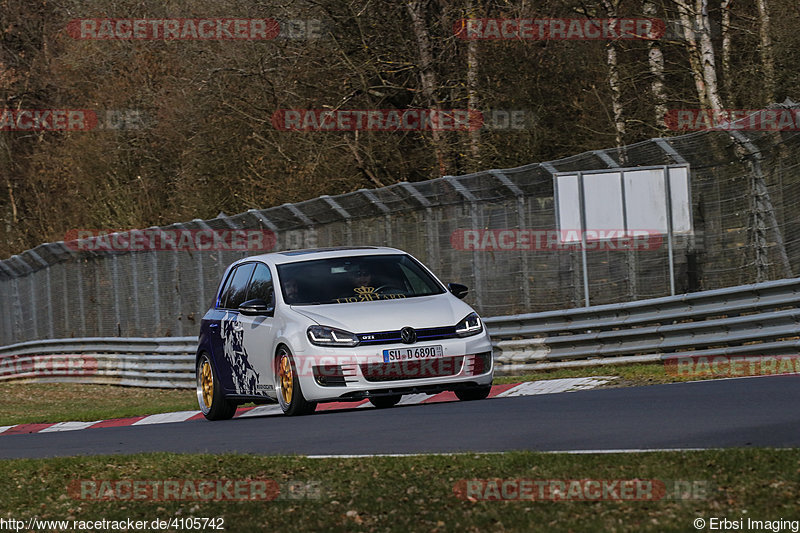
(355, 279)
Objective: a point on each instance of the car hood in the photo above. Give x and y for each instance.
(388, 315)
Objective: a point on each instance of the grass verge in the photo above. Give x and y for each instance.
(416, 493)
(66, 402)
(627, 375)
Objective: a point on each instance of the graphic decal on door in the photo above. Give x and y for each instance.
(245, 377)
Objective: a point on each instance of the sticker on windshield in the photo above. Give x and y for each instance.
(368, 294)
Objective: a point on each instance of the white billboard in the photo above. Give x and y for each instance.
(632, 200)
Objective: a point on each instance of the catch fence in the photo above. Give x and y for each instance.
(478, 229)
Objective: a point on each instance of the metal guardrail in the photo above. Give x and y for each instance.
(758, 319)
(139, 362)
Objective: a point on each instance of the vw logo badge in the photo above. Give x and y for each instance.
(408, 335)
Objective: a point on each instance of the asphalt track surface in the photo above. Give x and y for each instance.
(751, 412)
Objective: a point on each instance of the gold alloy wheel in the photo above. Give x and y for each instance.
(287, 379)
(207, 382)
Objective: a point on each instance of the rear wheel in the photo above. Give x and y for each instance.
(382, 402)
(212, 401)
(477, 393)
(287, 385)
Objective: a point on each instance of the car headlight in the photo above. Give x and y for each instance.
(325, 336)
(470, 325)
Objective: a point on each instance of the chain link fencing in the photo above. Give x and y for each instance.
(745, 189)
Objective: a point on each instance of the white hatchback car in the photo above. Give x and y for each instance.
(345, 324)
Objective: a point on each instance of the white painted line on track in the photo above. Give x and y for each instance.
(262, 410)
(629, 450)
(569, 452)
(165, 418)
(69, 426)
(553, 386)
(367, 455)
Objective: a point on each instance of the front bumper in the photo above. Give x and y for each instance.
(341, 374)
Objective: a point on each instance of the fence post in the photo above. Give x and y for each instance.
(387, 221)
(156, 291)
(431, 243)
(474, 216)
(115, 288)
(521, 223)
(342, 213)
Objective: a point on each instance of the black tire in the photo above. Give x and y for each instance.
(209, 389)
(383, 402)
(475, 393)
(287, 386)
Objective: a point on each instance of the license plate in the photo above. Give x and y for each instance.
(408, 354)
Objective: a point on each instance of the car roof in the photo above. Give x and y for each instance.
(310, 254)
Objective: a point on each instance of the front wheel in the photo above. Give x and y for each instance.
(287, 385)
(476, 393)
(212, 401)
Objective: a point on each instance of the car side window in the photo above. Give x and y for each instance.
(236, 290)
(261, 284)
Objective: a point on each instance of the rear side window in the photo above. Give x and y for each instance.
(235, 291)
(261, 284)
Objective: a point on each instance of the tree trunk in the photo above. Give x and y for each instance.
(687, 25)
(473, 102)
(767, 58)
(726, 46)
(427, 74)
(707, 55)
(697, 32)
(610, 7)
(656, 60)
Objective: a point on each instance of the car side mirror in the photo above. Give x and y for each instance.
(458, 290)
(256, 307)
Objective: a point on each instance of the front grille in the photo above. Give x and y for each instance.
(418, 369)
(393, 337)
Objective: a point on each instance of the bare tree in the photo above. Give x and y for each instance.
(726, 45)
(697, 34)
(427, 73)
(767, 58)
(708, 59)
(656, 63)
(611, 8)
(473, 101)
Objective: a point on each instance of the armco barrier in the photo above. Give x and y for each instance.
(139, 362)
(758, 319)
